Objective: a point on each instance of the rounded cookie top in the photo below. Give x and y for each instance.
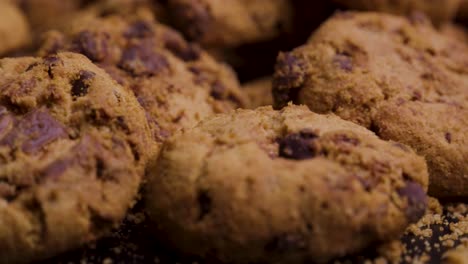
(14, 28)
(264, 186)
(176, 82)
(72, 154)
(396, 76)
(45, 15)
(438, 10)
(231, 22)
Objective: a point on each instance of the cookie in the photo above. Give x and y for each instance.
(455, 31)
(104, 8)
(233, 22)
(438, 10)
(176, 82)
(289, 186)
(45, 15)
(398, 77)
(14, 28)
(73, 145)
(259, 92)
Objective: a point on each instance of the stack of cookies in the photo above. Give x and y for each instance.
(241, 131)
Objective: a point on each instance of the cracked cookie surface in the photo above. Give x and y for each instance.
(176, 82)
(398, 77)
(72, 153)
(265, 186)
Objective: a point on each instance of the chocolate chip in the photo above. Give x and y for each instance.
(139, 29)
(217, 90)
(142, 60)
(35, 130)
(204, 204)
(56, 169)
(93, 46)
(288, 80)
(31, 66)
(51, 61)
(180, 48)
(122, 124)
(80, 86)
(417, 200)
(344, 61)
(285, 243)
(298, 146)
(448, 137)
(417, 95)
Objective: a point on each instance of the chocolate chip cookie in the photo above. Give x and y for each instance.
(73, 145)
(231, 22)
(176, 82)
(289, 186)
(14, 28)
(259, 92)
(398, 77)
(438, 10)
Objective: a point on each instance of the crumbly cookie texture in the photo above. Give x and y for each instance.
(285, 186)
(439, 11)
(14, 28)
(231, 22)
(176, 82)
(72, 153)
(398, 77)
(259, 92)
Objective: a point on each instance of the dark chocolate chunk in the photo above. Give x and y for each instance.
(177, 45)
(288, 80)
(80, 86)
(142, 60)
(217, 90)
(93, 46)
(417, 200)
(34, 131)
(298, 146)
(139, 29)
(344, 61)
(448, 137)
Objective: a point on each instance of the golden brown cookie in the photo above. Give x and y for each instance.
(289, 186)
(439, 11)
(44, 15)
(176, 82)
(73, 145)
(259, 92)
(399, 77)
(231, 22)
(14, 28)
